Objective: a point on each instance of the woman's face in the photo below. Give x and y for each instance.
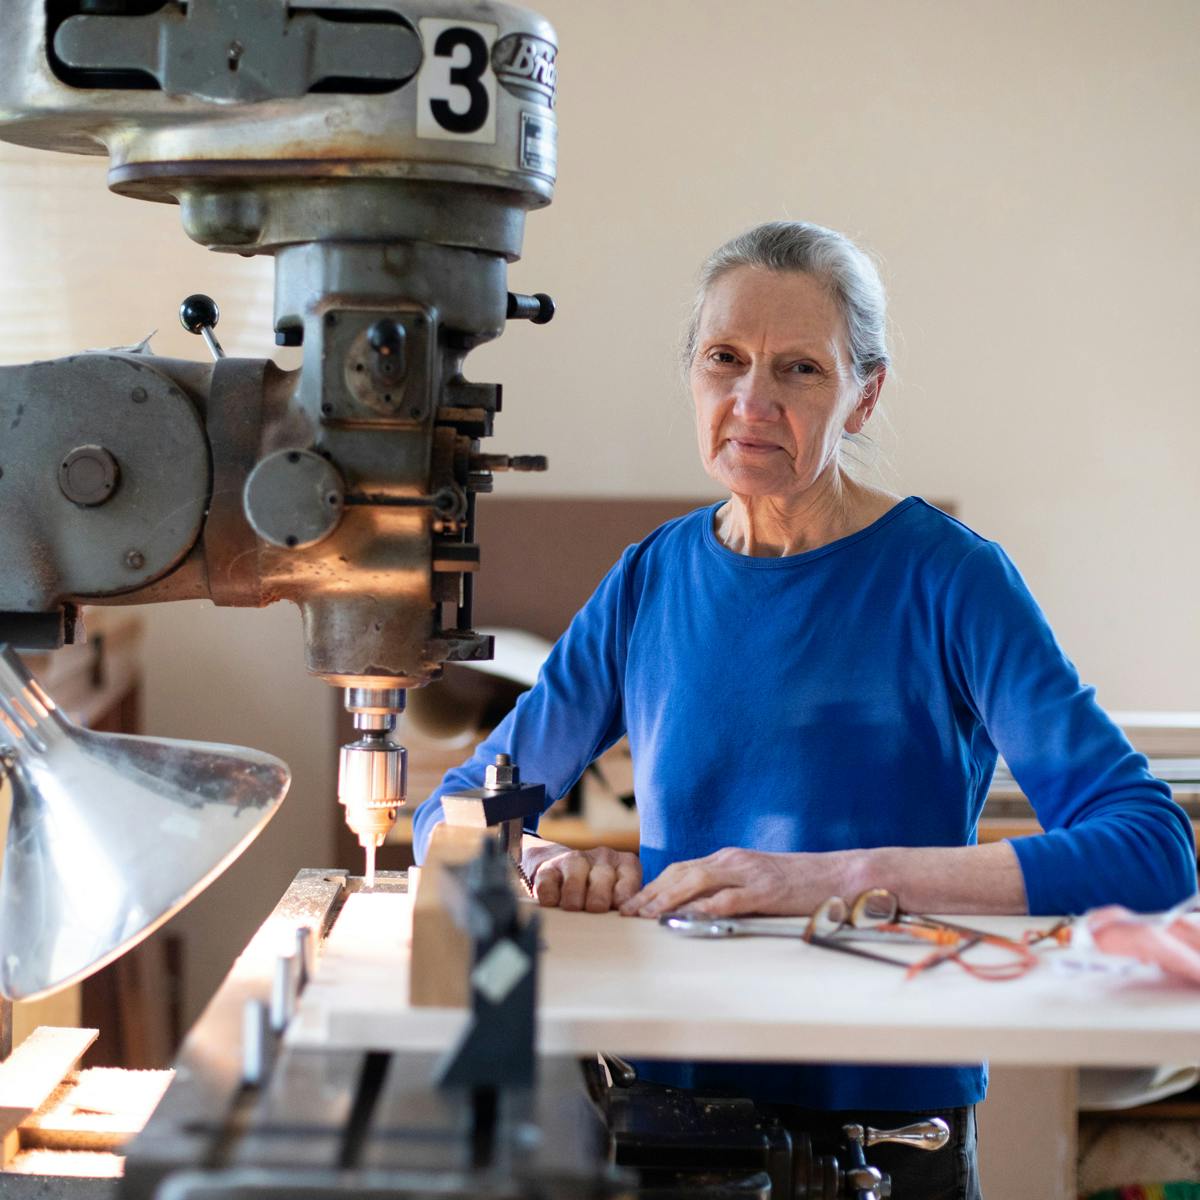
(773, 382)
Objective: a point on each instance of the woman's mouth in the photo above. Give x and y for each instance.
(752, 446)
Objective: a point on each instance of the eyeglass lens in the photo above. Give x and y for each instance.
(827, 918)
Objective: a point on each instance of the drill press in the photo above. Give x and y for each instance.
(385, 156)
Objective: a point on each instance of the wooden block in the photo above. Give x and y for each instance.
(100, 1110)
(30, 1074)
(441, 951)
(67, 1174)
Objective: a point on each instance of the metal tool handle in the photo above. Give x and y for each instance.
(199, 314)
(622, 1073)
(922, 1135)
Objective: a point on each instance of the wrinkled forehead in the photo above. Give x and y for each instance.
(772, 309)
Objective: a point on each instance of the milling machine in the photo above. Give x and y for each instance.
(385, 154)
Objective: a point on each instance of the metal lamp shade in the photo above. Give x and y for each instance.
(109, 835)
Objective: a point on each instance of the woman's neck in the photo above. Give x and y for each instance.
(773, 526)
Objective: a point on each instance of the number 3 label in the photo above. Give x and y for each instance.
(456, 87)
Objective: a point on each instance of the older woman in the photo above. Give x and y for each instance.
(816, 676)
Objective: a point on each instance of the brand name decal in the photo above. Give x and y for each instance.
(528, 66)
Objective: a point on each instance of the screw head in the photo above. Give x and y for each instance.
(139, 395)
(88, 475)
(135, 560)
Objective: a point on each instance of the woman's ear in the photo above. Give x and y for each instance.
(867, 400)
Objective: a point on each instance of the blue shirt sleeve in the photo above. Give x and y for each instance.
(1113, 834)
(571, 715)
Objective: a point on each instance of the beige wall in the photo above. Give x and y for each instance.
(1027, 173)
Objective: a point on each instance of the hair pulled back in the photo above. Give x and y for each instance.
(825, 254)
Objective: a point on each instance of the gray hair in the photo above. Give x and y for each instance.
(828, 256)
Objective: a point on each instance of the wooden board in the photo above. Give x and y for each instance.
(633, 988)
(101, 1109)
(29, 1076)
(441, 951)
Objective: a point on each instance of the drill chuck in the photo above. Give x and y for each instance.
(372, 785)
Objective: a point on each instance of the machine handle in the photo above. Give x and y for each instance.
(538, 308)
(199, 314)
(923, 1135)
(508, 462)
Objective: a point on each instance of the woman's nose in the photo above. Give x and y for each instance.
(754, 397)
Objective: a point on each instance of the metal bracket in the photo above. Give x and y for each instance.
(498, 1047)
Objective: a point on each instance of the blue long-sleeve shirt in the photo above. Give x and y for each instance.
(851, 696)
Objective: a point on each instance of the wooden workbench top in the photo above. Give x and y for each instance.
(631, 987)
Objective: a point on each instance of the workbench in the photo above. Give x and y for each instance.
(633, 988)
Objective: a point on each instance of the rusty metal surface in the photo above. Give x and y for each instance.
(234, 424)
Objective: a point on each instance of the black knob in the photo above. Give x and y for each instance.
(538, 308)
(199, 312)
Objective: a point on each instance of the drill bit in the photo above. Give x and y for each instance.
(369, 873)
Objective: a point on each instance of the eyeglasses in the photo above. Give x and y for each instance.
(875, 915)
(879, 909)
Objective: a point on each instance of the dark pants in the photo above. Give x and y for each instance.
(951, 1173)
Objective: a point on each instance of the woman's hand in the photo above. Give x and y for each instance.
(943, 879)
(580, 880)
(731, 882)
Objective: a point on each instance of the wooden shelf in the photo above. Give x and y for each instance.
(578, 834)
(1162, 1110)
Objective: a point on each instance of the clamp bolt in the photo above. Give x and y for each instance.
(502, 774)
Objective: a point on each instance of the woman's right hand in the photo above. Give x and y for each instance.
(580, 880)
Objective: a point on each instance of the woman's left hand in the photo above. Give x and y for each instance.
(730, 882)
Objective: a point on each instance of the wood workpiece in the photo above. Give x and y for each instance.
(30, 1075)
(101, 1109)
(631, 987)
(441, 951)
